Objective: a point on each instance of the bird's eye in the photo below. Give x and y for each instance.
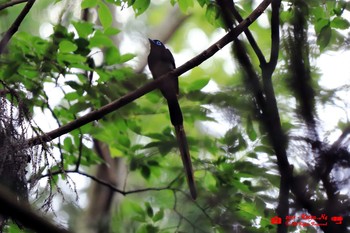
(158, 43)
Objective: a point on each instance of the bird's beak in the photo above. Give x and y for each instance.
(150, 40)
(151, 43)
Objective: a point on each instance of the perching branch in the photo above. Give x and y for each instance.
(14, 27)
(124, 100)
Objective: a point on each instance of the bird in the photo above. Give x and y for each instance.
(160, 62)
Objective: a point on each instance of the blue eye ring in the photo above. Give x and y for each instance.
(157, 42)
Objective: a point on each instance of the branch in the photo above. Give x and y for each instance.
(11, 3)
(239, 50)
(109, 185)
(228, 8)
(21, 212)
(273, 122)
(14, 27)
(250, 38)
(124, 100)
(275, 33)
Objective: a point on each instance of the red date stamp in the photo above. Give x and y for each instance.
(305, 220)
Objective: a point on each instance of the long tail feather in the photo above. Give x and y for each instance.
(175, 111)
(186, 158)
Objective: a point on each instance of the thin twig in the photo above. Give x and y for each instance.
(14, 27)
(11, 3)
(109, 185)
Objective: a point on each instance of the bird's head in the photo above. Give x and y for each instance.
(155, 42)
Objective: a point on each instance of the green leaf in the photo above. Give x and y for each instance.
(68, 144)
(126, 57)
(324, 37)
(130, 2)
(112, 56)
(250, 130)
(198, 84)
(149, 209)
(231, 136)
(153, 163)
(140, 6)
(159, 215)
(100, 41)
(80, 106)
(83, 48)
(260, 205)
(124, 140)
(66, 46)
(12, 228)
(111, 31)
(147, 228)
(70, 58)
(340, 23)
(145, 172)
(73, 84)
(88, 4)
(104, 14)
(185, 4)
(212, 13)
(210, 182)
(27, 71)
(318, 12)
(71, 96)
(286, 16)
(202, 2)
(340, 7)
(84, 29)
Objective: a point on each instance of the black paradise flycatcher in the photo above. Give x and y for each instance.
(160, 62)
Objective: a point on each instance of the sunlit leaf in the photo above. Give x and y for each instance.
(340, 23)
(198, 84)
(110, 31)
(112, 56)
(185, 4)
(104, 15)
(140, 6)
(66, 46)
(88, 3)
(84, 29)
(126, 57)
(99, 40)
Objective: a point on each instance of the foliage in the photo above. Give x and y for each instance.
(237, 166)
